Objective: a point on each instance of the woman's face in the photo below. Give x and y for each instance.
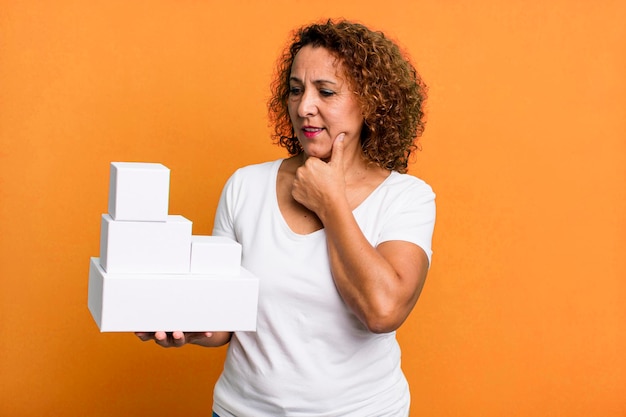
(321, 104)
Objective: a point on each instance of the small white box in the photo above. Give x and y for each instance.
(170, 302)
(139, 191)
(215, 255)
(146, 247)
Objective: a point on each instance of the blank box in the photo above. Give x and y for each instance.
(145, 247)
(215, 255)
(170, 302)
(139, 191)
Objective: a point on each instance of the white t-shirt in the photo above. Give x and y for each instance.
(310, 355)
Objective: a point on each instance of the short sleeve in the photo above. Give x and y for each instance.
(223, 224)
(411, 217)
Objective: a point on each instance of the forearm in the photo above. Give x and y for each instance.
(366, 280)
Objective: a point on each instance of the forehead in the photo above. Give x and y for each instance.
(316, 61)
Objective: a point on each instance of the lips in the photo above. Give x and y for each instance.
(311, 132)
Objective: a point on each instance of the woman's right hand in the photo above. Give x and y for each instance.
(178, 338)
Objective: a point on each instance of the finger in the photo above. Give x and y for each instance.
(161, 339)
(196, 337)
(178, 338)
(144, 336)
(166, 339)
(337, 154)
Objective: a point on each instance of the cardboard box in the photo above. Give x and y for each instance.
(139, 191)
(215, 255)
(145, 247)
(170, 302)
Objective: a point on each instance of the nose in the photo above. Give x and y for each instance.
(308, 103)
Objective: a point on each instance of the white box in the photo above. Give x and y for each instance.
(215, 255)
(146, 247)
(170, 302)
(139, 191)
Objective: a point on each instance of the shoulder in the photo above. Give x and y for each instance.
(257, 169)
(253, 174)
(246, 187)
(408, 186)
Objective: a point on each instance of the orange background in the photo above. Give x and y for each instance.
(523, 313)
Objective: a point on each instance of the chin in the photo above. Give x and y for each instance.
(321, 152)
(320, 155)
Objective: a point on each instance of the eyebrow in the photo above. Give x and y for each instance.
(316, 82)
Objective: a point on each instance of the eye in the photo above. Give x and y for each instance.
(294, 91)
(326, 93)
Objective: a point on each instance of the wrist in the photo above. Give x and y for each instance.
(334, 209)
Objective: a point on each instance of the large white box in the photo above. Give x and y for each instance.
(215, 255)
(139, 191)
(145, 247)
(170, 302)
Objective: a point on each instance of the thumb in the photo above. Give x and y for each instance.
(337, 154)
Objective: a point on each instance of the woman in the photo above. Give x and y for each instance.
(337, 233)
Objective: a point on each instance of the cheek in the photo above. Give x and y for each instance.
(352, 115)
(290, 108)
(354, 121)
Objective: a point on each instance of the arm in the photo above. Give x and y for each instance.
(380, 284)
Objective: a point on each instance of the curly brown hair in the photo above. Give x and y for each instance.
(389, 89)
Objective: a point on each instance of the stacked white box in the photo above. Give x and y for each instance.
(153, 274)
(139, 191)
(145, 247)
(214, 255)
(169, 302)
